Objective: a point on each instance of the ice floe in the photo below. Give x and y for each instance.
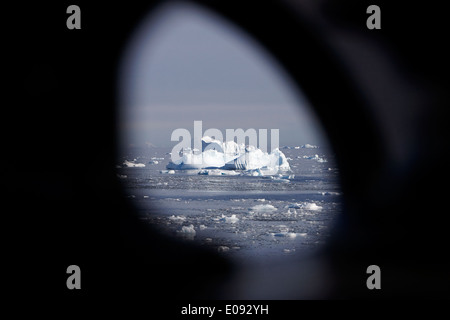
(232, 219)
(309, 146)
(284, 234)
(177, 218)
(315, 157)
(187, 231)
(167, 171)
(223, 249)
(263, 208)
(306, 206)
(312, 206)
(133, 164)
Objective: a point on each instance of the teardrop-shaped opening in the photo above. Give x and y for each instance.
(189, 80)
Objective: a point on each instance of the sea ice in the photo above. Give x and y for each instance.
(312, 206)
(306, 206)
(177, 218)
(218, 172)
(278, 179)
(263, 208)
(188, 230)
(316, 157)
(284, 234)
(309, 146)
(132, 164)
(232, 219)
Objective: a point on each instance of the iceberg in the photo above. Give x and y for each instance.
(232, 219)
(225, 156)
(309, 146)
(316, 157)
(132, 164)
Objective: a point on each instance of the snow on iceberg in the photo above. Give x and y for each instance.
(231, 156)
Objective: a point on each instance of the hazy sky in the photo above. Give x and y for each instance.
(185, 64)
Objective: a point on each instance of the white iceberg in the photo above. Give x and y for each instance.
(312, 206)
(187, 232)
(231, 156)
(306, 206)
(309, 146)
(232, 219)
(131, 164)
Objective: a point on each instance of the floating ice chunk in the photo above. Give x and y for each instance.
(121, 176)
(202, 227)
(188, 230)
(153, 162)
(278, 179)
(260, 200)
(131, 164)
(263, 208)
(232, 219)
(306, 206)
(328, 193)
(223, 249)
(218, 172)
(284, 234)
(309, 146)
(177, 218)
(312, 206)
(315, 157)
